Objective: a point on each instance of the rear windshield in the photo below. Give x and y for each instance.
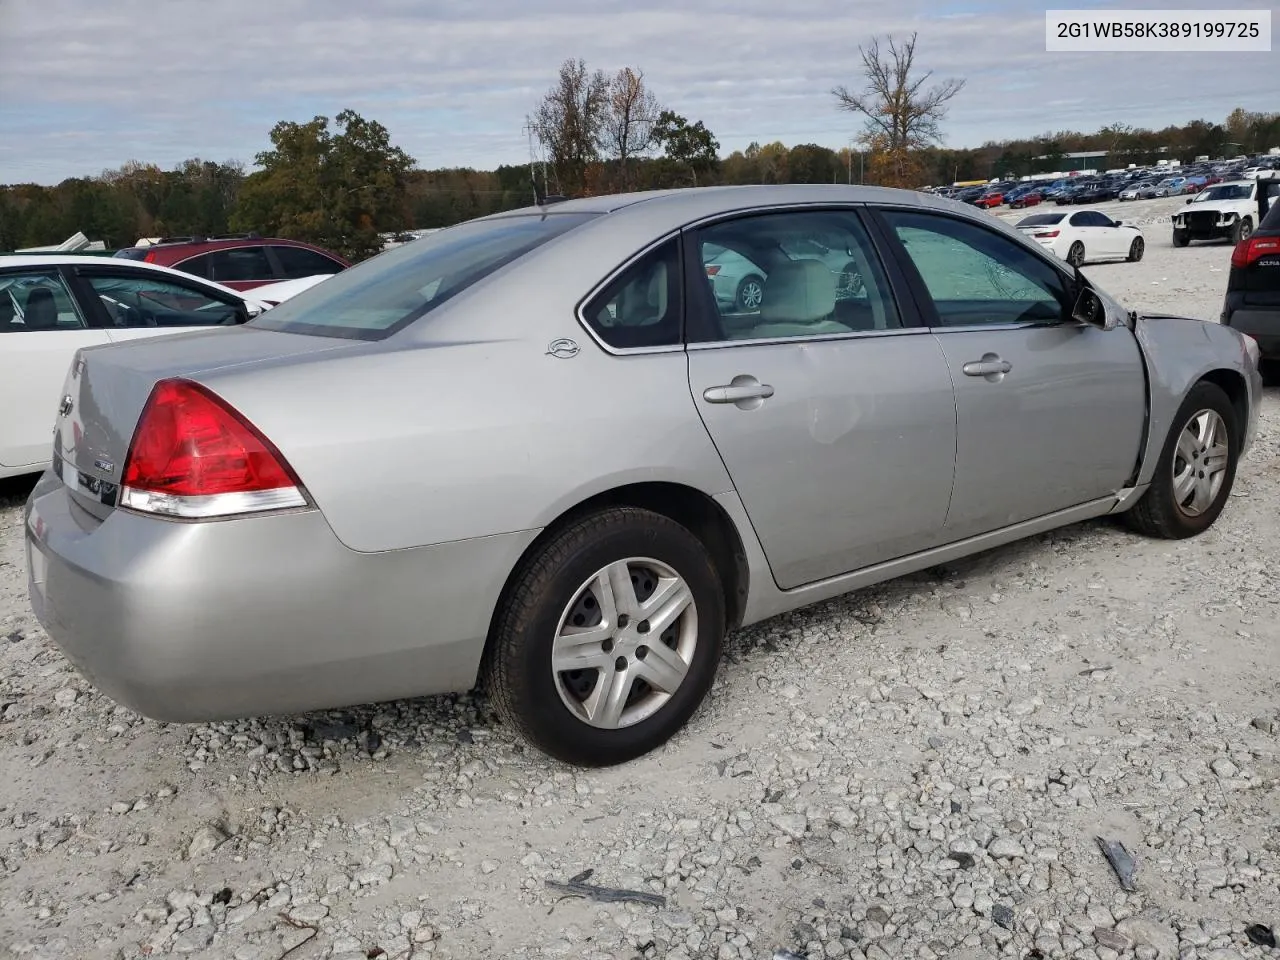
(1271, 222)
(131, 253)
(386, 293)
(1040, 219)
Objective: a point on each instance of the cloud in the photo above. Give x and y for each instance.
(88, 85)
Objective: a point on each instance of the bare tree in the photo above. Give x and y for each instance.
(902, 115)
(630, 121)
(569, 123)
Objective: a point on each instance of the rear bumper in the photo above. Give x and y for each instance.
(1261, 323)
(216, 620)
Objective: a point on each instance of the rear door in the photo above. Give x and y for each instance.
(130, 303)
(41, 327)
(1051, 412)
(831, 407)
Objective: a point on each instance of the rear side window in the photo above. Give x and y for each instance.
(641, 307)
(299, 262)
(1271, 222)
(36, 303)
(384, 294)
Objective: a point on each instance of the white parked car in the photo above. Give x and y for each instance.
(1224, 211)
(51, 305)
(1081, 236)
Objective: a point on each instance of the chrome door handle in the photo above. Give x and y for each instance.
(737, 392)
(986, 367)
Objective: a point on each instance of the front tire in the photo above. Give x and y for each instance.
(1181, 238)
(1242, 229)
(1196, 469)
(1136, 249)
(608, 638)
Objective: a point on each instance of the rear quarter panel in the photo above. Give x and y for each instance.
(464, 426)
(1179, 353)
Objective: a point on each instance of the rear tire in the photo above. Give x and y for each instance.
(1136, 249)
(1164, 510)
(749, 295)
(558, 597)
(1075, 255)
(1181, 238)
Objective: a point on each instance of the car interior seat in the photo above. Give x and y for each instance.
(799, 301)
(40, 312)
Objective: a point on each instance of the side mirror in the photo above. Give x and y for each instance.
(1090, 309)
(1189, 199)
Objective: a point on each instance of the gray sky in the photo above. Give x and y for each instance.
(89, 84)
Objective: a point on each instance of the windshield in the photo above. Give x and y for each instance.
(1224, 191)
(386, 293)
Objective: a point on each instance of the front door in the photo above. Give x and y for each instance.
(1051, 412)
(41, 328)
(835, 420)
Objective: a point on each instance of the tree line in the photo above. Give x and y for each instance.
(341, 184)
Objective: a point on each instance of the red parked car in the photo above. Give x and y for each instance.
(1027, 200)
(989, 200)
(242, 261)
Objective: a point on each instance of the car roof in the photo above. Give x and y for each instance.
(686, 203)
(21, 260)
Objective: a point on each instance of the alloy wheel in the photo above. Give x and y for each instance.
(1200, 462)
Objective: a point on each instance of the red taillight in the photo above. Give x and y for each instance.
(1046, 233)
(193, 455)
(1248, 252)
(150, 257)
(713, 269)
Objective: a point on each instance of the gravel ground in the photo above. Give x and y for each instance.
(917, 770)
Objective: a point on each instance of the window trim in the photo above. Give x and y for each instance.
(56, 272)
(580, 311)
(83, 290)
(920, 289)
(898, 285)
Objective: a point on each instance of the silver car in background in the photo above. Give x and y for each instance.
(536, 451)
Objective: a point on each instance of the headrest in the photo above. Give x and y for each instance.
(801, 290)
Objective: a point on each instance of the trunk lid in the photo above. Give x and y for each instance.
(107, 386)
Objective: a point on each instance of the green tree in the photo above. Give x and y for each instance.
(338, 190)
(690, 147)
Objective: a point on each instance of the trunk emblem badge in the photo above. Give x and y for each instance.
(65, 407)
(564, 348)
(106, 466)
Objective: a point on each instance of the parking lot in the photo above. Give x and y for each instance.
(916, 770)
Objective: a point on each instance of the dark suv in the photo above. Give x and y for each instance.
(241, 261)
(1252, 304)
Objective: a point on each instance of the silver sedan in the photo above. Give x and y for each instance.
(416, 477)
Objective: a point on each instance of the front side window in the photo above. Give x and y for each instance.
(145, 302)
(35, 302)
(975, 276)
(387, 292)
(642, 306)
(793, 274)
